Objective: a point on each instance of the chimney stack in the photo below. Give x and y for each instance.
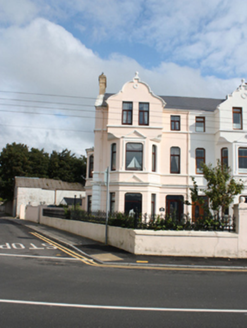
(102, 84)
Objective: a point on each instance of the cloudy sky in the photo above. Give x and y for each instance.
(52, 52)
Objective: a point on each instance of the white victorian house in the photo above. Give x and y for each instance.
(154, 145)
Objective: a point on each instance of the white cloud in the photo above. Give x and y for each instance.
(42, 57)
(17, 11)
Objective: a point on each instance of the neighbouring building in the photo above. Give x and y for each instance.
(41, 191)
(154, 145)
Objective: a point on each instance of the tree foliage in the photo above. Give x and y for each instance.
(18, 160)
(221, 187)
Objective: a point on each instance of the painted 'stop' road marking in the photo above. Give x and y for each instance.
(125, 308)
(41, 257)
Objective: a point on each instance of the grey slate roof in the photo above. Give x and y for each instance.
(193, 103)
(208, 104)
(48, 184)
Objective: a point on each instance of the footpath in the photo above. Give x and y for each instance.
(106, 254)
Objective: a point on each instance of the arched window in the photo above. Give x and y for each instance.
(175, 160)
(90, 168)
(200, 159)
(154, 155)
(113, 157)
(224, 156)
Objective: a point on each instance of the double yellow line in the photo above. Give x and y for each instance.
(91, 262)
(66, 250)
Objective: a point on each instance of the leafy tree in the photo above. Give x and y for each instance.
(221, 187)
(39, 161)
(17, 160)
(14, 161)
(67, 167)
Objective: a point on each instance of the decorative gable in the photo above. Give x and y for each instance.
(134, 135)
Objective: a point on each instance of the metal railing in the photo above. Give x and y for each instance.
(145, 221)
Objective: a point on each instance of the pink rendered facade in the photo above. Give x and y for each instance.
(153, 146)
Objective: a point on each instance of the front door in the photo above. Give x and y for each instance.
(198, 208)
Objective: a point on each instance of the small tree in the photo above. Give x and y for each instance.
(221, 187)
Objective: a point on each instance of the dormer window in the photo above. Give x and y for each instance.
(127, 113)
(134, 156)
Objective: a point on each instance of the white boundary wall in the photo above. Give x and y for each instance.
(165, 243)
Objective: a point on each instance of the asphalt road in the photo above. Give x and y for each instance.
(41, 286)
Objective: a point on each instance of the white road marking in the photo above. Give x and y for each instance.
(21, 246)
(41, 257)
(128, 308)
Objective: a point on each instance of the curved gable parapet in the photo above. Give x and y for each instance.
(241, 91)
(136, 82)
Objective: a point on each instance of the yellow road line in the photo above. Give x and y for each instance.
(91, 262)
(63, 249)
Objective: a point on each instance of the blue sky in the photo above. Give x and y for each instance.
(180, 47)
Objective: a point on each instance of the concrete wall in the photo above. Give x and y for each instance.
(37, 196)
(166, 243)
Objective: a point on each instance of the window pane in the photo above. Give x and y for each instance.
(113, 157)
(200, 152)
(243, 162)
(127, 105)
(144, 107)
(175, 151)
(237, 118)
(134, 146)
(224, 156)
(154, 158)
(199, 162)
(112, 202)
(242, 151)
(200, 124)
(134, 156)
(143, 113)
(174, 164)
(199, 127)
(125, 117)
(133, 202)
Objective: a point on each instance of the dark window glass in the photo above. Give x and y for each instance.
(134, 156)
(242, 160)
(153, 204)
(113, 156)
(89, 204)
(200, 159)
(237, 118)
(133, 203)
(175, 160)
(200, 124)
(112, 202)
(154, 154)
(90, 169)
(224, 156)
(127, 112)
(175, 122)
(143, 113)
